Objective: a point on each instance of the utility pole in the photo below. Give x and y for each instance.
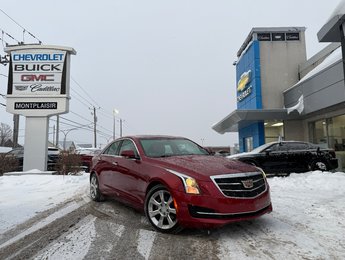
(54, 135)
(94, 127)
(15, 130)
(57, 130)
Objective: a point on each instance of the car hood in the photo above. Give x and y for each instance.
(234, 156)
(203, 166)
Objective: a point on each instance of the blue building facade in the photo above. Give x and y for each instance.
(249, 95)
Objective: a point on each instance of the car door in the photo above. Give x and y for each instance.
(275, 160)
(130, 181)
(107, 167)
(299, 156)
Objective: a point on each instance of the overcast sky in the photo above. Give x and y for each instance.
(165, 65)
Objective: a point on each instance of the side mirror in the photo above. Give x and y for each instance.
(129, 154)
(267, 151)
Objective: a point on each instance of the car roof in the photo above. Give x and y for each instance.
(140, 137)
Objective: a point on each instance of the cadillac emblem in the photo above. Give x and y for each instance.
(21, 88)
(248, 184)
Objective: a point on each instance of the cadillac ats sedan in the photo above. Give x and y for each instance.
(178, 184)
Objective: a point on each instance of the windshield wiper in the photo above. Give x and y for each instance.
(165, 155)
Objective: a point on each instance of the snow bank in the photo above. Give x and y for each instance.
(22, 197)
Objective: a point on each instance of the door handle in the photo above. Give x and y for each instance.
(115, 163)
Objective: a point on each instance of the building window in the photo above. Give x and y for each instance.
(330, 133)
(248, 142)
(318, 133)
(278, 36)
(264, 36)
(274, 130)
(336, 132)
(292, 36)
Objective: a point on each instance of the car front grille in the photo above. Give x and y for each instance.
(241, 185)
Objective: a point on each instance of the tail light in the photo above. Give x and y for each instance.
(332, 152)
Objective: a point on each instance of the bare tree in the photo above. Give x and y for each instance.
(5, 134)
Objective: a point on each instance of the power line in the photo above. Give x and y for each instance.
(89, 103)
(79, 124)
(81, 102)
(81, 117)
(105, 114)
(84, 91)
(24, 29)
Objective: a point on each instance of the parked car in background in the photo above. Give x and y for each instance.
(177, 183)
(289, 156)
(86, 155)
(18, 154)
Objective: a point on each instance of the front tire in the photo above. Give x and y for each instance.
(160, 210)
(95, 193)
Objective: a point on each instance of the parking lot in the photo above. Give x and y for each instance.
(306, 223)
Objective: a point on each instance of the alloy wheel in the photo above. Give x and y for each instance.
(321, 166)
(95, 193)
(93, 187)
(161, 210)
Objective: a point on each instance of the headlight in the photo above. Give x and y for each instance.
(263, 173)
(190, 184)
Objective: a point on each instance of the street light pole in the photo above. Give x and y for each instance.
(65, 132)
(120, 127)
(115, 112)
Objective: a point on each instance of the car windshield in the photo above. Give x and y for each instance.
(261, 148)
(171, 147)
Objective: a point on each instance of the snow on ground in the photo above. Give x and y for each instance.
(24, 196)
(74, 245)
(307, 221)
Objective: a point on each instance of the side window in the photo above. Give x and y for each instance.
(282, 147)
(128, 145)
(298, 146)
(113, 149)
(274, 148)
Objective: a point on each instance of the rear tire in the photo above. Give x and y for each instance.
(95, 193)
(160, 210)
(319, 165)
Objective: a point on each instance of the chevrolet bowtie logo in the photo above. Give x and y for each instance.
(244, 80)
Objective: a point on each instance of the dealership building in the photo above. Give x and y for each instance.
(282, 94)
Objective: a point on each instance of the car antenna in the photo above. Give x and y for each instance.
(280, 138)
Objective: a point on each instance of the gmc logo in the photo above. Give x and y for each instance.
(37, 77)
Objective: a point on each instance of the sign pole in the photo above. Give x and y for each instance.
(36, 143)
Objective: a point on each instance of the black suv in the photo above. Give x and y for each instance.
(289, 156)
(18, 154)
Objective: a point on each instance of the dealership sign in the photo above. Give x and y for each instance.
(38, 87)
(243, 88)
(38, 82)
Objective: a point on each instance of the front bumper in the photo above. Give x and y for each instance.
(214, 209)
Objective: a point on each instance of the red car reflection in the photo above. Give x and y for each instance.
(178, 184)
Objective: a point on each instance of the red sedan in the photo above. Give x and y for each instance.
(178, 184)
